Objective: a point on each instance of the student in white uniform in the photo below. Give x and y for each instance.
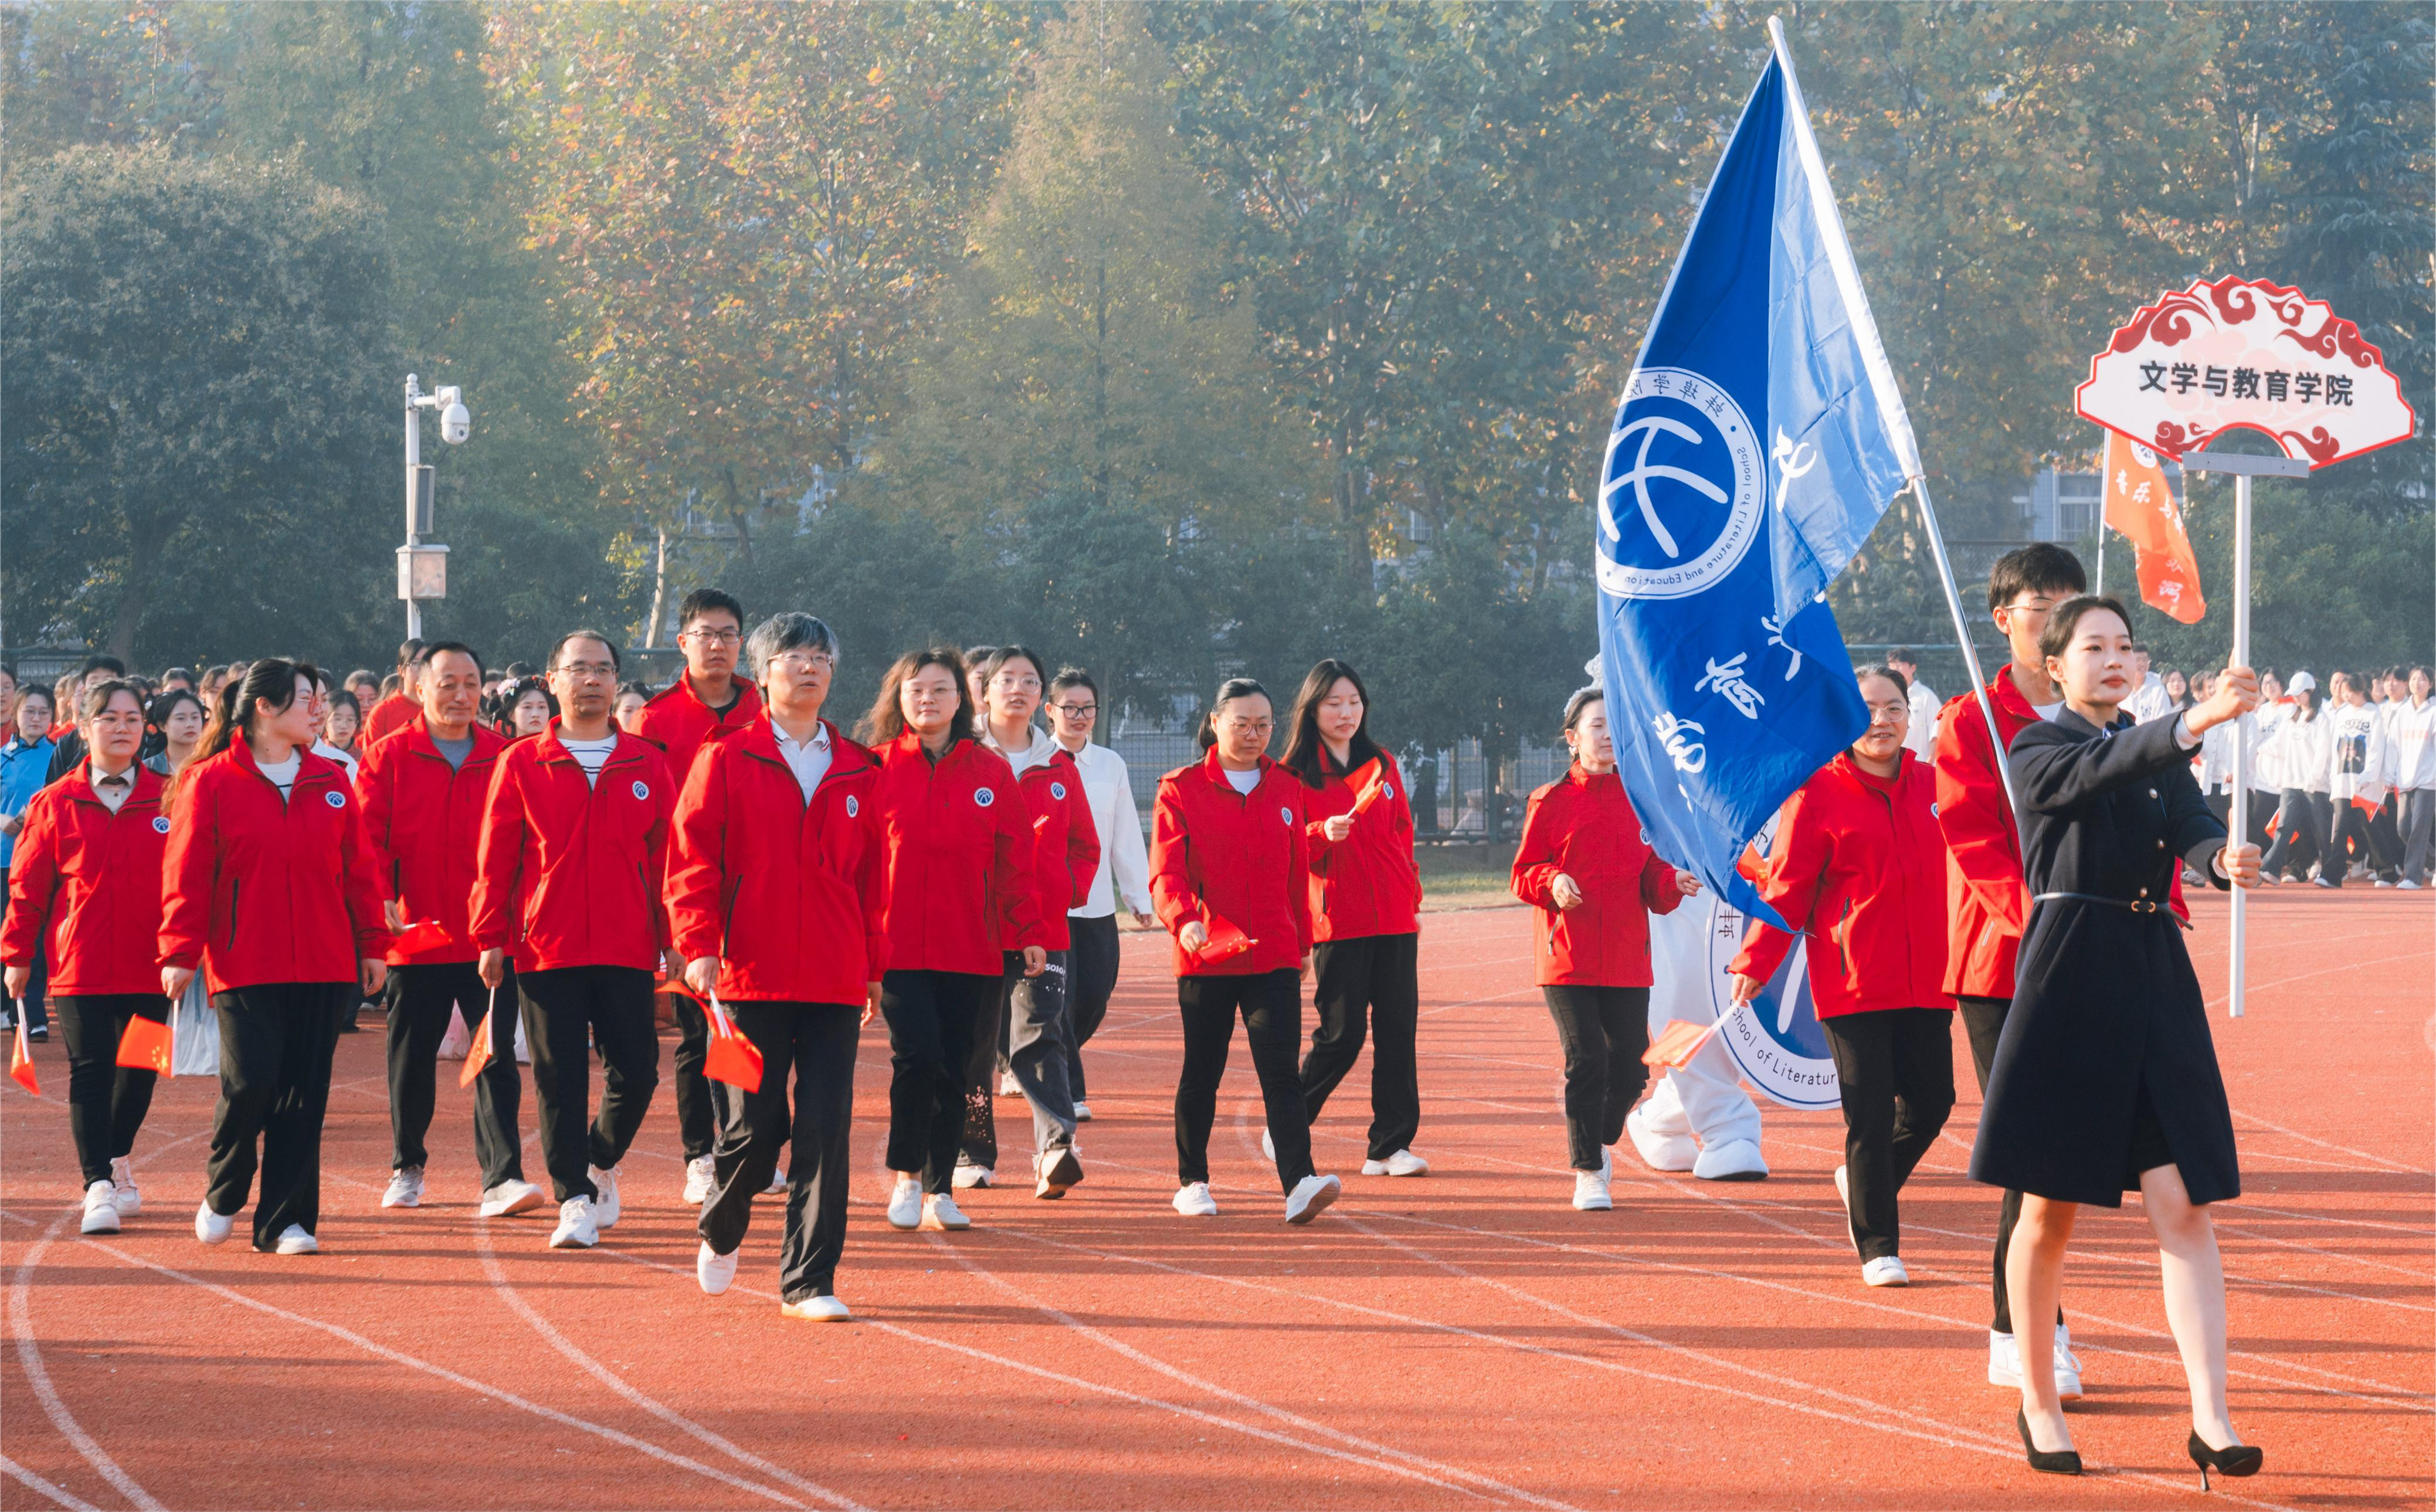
(2413, 732)
(1922, 741)
(1124, 866)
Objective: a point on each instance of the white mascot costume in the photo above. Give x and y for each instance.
(1696, 1116)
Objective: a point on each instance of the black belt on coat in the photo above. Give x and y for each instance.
(2135, 905)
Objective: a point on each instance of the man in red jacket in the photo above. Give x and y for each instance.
(1987, 902)
(574, 844)
(400, 708)
(422, 788)
(709, 703)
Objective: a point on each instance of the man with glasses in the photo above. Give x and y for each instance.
(1987, 902)
(1124, 870)
(568, 872)
(709, 703)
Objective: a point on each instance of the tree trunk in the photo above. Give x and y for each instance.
(143, 542)
(660, 593)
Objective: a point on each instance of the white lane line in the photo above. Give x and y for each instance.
(57, 1493)
(2329, 1144)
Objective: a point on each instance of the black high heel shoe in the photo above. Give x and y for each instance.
(2062, 1461)
(2236, 1460)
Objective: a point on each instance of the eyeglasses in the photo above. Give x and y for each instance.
(588, 672)
(805, 661)
(717, 637)
(1251, 726)
(1077, 711)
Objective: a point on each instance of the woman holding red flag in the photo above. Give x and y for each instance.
(270, 891)
(1585, 863)
(774, 890)
(1366, 899)
(1858, 866)
(959, 848)
(1229, 876)
(85, 886)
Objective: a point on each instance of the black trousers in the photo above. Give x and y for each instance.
(701, 1103)
(816, 1042)
(276, 1040)
(420, 999)
(1896, 1068)
(1090, 982)
(2300, 836)
(1271, 1006)
(106, 1101)
(2365, 845)
(1983, 1019)
(614, 1004)
(1604, 1031)
(931, 1017)
(1371, 982)
(1034, 1046)
(2418, 827)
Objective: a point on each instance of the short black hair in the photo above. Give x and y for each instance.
(1902, 684)
(702, 601)
(2042, 567)
(424, 656)
(559, 645)
(519, 669)
(1900, 653)
(101, 664)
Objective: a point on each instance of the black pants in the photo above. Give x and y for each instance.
(1370, 983)
(420, 999)
(1271, 1006)
(615, 1003)
(2300, 838)
(1604, 1031)
(1983, 1019)
(2365, 844)
(931, 1018)
(1090, 982)
(1896, 1068)
(816, 1040)
(106, 1101)
(2417, 823)
(701, 1103)
(276, 1040)
(1034, 1046)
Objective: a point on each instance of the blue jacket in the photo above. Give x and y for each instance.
(23, 770)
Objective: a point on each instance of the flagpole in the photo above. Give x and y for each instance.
(2240, 808)
(1970, 653)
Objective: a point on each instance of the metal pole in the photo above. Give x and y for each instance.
(2100, 589)
(2240, 808)
(413, 460)
(1970, 653)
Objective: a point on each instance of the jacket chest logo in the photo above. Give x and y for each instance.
(1285, 815)
(335, 798)
(984, 797)
(161, 825)
(1058, 791)
(852, 807)
(1387, 791)
(642, 791)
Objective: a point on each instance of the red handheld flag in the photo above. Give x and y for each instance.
(429, 935)
(147, 1046)
(1225, 941)
(730, 1057)
(1682, 1039)
(21, 1061)
(1370, 782)
(478, 1054)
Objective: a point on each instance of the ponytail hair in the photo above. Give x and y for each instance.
(271, 681)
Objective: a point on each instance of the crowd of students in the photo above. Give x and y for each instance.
(589, 853)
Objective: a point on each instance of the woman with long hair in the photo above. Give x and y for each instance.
(1230, 877)
(1365, 898)
(177, 719)
(959, 895)
(2106, 1078)
(269, 891)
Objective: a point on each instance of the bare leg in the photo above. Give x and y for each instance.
(2034, 1279)
(2194, 1281)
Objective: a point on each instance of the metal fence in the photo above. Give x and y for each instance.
(1455, 794)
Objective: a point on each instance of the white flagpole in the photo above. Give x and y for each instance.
(2240, 809)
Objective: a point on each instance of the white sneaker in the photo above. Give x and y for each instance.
(2067, 1365)
(1082, 1112)
(122, 1188)
(939, 1210)
(1887, 1270)
(1008, 1085)
(1311, 1197)
(100, 1209)
(211, 1227)
(1591, 1192)
(1403, 1163)
(1659, 1152)
(713, 1270)
(1194, 1201)
(1844, 1195)
(2004, 1361)
(294, 1241)
(1268, 1148)
(2407, 885)
(777, 1183)
(1733, 1160)
(905, 1202)
(966, 1177)
(816, 1309)
(576, 1228)
(1059, 1176)
(511, 1196)
(404, 1188)
(604, 1201)
(697, 1181)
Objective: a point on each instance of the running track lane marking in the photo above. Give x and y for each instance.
(57, 1493)
(1173, 1373)
(592, 1367)
(1079, 1384)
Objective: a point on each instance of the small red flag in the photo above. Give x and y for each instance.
(21, 1061)
(1225, 942)
(730, 1057)
(1370, 782)
(478, 1054)
(1678, 1044)
(429, 935)
(145, 1046)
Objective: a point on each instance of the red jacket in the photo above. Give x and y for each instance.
(258, 890)
(387, 717)
(1065, 843)
(1218, 854)
(87, 883)
(1366, 883)
(569, 873)
(1859, 867)
(960, 849)
(1584, 826)
(678, 722)
(424, 821)
(787, 893)
(1986, 901)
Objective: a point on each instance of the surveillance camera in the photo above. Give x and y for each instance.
(455, 424)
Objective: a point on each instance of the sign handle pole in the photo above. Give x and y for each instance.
(1970, 653)
(2240, 806)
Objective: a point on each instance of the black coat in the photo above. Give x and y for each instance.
(2105, 1000)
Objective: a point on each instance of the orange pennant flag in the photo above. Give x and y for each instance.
(1681, 1041)
(1225, 941)
(478, 1054)
(145, 1046)
(730, 1057)
(1370, 782)
(21, 1061)
(2140, 504)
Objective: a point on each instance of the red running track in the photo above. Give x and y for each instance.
(1460, 1340)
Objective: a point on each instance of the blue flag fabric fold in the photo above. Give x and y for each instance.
(1762, 413)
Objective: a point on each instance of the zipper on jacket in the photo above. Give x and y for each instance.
(1843, 931)
(236, 885)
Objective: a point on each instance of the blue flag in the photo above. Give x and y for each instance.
(1759, 438)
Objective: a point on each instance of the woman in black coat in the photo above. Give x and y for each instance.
(2106, 1078)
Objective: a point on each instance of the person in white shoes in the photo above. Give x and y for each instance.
(1230, 877)
(1124, 871)
(1696, 1117)
(2413, 732)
